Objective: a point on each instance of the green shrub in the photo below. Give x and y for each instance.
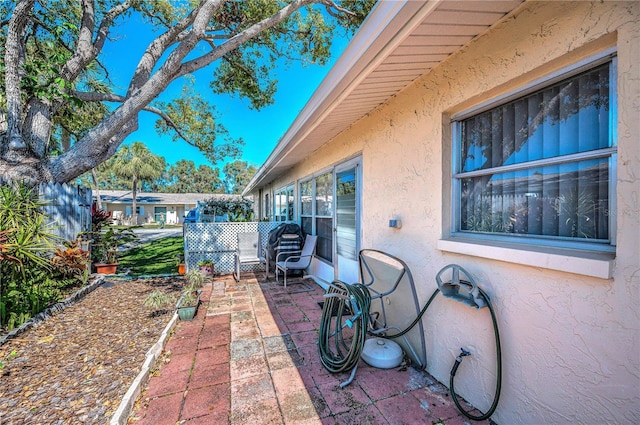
(26, 245)
(195, 280)
(159, 299)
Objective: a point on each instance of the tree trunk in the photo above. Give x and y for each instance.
(22, 168)
(14, 56)
(65, 140)
(3, 126)
(37, 127)
(91, 151)
(134, 190)
(94, 177)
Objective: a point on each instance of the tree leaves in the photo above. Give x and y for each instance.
(183, 177)
(237, 175)
(138, 163)
(195, 120)
(62, 48)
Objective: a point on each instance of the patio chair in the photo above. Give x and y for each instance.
(248, 252)
(296, 260)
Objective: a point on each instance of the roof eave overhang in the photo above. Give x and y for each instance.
(388, 25)
(384, 17)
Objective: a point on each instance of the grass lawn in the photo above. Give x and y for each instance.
(156, 257)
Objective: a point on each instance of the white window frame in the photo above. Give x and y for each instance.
(594, 259)
(287, 214)
(314, 216)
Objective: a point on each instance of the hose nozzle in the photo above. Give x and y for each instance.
(463, 353)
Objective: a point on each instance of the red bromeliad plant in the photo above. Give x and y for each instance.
(99, 218)
(99, 247)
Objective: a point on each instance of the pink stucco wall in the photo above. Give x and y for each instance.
(571, 348)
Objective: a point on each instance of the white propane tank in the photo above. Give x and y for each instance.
(382, 353)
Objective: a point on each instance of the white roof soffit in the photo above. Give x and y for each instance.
(398, 42)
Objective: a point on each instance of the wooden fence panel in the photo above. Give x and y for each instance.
(68, 208)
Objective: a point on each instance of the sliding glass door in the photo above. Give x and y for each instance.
(347, 218)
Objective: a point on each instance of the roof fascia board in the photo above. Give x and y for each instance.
(389, 23)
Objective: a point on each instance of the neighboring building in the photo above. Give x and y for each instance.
(504, 137)
(154, 207)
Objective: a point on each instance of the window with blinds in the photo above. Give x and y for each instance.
(324, 215)
(316, 212)
(346, 218)
(541, 166)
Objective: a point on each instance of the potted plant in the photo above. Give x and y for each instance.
(100, 219)
(188, 303)
(106, 257)
(105, 241)
(206, 267)
(105, 248)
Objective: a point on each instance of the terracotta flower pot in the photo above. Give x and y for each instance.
(106, 268)
(182, 268)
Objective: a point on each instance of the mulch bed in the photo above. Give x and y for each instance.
(77, 365)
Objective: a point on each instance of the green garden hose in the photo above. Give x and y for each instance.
(496, 397)
(339, 356)
(463, 354)
(344, 357)
(415, 321)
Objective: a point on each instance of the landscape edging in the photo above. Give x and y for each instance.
(121, 416)
(53, 310)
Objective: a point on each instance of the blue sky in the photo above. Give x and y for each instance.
(260, 130)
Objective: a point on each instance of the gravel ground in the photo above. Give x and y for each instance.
(75, 367)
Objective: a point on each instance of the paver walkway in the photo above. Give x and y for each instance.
(250, 357)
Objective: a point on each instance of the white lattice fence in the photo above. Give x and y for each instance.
(218, 242)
